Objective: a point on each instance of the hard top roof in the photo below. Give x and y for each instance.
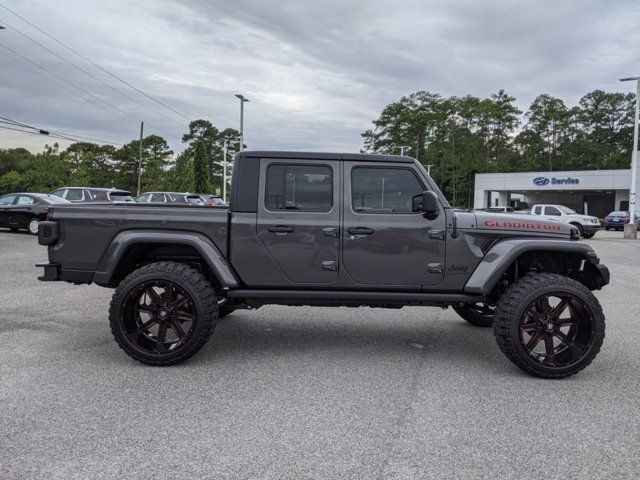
(357, 157)
(97, 189)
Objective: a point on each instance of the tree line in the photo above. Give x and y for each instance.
(457, 136)
(197, 169)
(462, 136)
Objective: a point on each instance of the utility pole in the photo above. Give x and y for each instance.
(429, 169)
(631, 229)
(242, 100)
(140, 157)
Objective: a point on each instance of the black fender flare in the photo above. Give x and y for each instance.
(203, 245)
(505, 252)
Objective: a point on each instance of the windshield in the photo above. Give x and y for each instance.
(54, 199)
(566, 210)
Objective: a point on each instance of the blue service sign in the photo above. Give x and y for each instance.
(542, 181)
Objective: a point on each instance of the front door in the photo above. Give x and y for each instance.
(21, 211)
(299, 217)
(385, 241)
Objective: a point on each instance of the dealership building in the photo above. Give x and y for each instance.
(593, 192)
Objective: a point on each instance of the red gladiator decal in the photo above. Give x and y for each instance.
(520, 225)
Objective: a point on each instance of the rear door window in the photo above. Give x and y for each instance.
(302, 188)
(24, 200)
(158, 197)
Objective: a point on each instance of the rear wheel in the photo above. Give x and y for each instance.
(607, 228)
(479, 314)
(32, 226)
(549, 325)
(163, 313)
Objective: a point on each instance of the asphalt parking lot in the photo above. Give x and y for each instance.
(294, 392)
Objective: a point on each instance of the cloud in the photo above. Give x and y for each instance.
(316, 73)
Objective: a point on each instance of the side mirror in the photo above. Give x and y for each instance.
(427, 203)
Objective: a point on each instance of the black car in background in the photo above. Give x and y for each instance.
(25, 210)
(93, 195)
(183, 198)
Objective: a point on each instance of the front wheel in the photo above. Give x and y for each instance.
(588, 235)
(478, 314)
(163, 313)
(549, 325)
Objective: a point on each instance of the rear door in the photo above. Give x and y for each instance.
(387, 242)
(299, 217)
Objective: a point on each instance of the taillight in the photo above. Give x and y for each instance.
(45, 209)
(625, 219)
(607, 218)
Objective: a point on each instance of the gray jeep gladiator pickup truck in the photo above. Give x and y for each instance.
(331, 229)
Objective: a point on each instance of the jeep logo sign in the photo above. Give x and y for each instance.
(542, 181)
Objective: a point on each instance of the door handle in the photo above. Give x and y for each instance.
(438, 234)
(330, 232)
(280, 229)
(360, 231)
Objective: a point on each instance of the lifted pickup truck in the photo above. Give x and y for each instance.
(332, 230)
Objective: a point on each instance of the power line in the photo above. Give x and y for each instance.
(86, 92)
(68, 82)
(89, 74)
(56, 134)
(95, 64)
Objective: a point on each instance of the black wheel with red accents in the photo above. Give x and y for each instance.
(163, 313)
(549, 325)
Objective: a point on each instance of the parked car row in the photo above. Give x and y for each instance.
(24, 210)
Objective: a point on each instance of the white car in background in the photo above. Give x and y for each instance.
(586, 224)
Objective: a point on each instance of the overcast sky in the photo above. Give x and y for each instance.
(316, 72)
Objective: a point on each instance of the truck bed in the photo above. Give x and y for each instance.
(86, 230)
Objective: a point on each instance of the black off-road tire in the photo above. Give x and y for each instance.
(512, 306)
(473, 316)
(205, 302)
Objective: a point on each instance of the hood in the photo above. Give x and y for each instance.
(522, 224)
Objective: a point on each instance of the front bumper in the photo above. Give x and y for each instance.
(590, 228)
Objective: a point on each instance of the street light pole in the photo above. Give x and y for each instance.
(429, 169)
(631, 229)
(242, 100)
(402, 148)
(224, 172)
(140, 158)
